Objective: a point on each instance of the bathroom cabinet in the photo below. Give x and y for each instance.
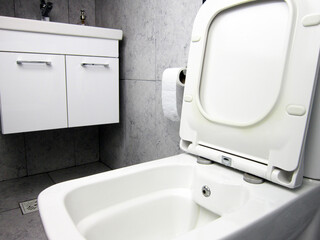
(55, 75)
(90, 82)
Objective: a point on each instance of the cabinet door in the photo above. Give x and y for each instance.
(93, 90)
(33, 95)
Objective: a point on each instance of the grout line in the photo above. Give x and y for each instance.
(145, 80)
(74, 147)
(72, 167)
(155, 38)
(49, 176)
(30, 176)
(99, 139)
(95, 14)
(155, 29)
(43, 173)
(106, 165)
(25, 152)
(68, 11)
(66, 85)
(9, 210)
(124, 143)
(14, 8)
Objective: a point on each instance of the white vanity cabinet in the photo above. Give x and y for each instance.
(55, 75)
(33, 95)
(90, 82)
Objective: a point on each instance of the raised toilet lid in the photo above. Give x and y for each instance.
(251, 73)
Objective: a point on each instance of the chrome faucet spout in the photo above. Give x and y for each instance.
(45, 8)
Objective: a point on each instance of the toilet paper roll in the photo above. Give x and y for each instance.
(173, 80)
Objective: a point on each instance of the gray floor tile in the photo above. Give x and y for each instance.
(21, 189)
(77, 172)
(15, 226)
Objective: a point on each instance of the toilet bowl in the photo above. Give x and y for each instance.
(164, 199)
(250, 86)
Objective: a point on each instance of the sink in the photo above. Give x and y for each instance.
(164, 199)
(36, 26)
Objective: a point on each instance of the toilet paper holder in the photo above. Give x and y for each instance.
(173, 81)
(182, 77)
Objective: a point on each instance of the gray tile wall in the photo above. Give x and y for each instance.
(66, 11)
(37, 152)
(156, 36)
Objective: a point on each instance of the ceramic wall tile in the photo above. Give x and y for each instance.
(31, 10)
(107, 13)
(134, 139)
(99, 12)
(153, 41)
(137, 49)
(141, 139)
(86, 144)
(167, 131)
(112, 138)
(12, 156)
(7, 8)
(74, 11)
(27, 9)
(173, 27)
(112, 145)
(49, 150)
(60, 11)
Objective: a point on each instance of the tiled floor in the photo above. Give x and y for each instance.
(14, 225)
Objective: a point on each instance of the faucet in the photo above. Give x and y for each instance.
(83, 16)
(45, 8)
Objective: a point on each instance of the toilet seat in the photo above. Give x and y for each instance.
(251, 77)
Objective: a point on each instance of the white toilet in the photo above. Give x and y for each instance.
(251, 81)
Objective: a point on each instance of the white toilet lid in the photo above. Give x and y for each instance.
(250, 80)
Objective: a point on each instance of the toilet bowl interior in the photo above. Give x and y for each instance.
(151, 201)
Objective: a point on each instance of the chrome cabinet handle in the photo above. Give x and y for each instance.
(20, 62)
(84, 64)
